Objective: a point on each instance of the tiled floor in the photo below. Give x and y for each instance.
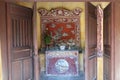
(81, 76)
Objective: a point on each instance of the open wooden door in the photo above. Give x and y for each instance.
(107, 41)
(91, 43)
(98, 66)
(20, 42)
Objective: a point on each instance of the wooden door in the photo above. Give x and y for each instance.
(91, 42)
(107, 30)
(20, 42)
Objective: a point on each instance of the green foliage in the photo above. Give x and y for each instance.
(47, 39)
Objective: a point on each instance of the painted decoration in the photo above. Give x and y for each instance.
(61, 26)
(61, 66)
(64, 63)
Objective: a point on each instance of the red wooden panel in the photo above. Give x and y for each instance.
(53, 67)
(62, 63)
(66, 30)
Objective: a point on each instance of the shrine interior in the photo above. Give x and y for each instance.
(69, 6)
(61, 40)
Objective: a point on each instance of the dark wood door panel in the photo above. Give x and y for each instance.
(92, 30)
(21, 31)
(21, 54)
(17, 70)
(107, 67)
(20, 42)
(107, 29)
(21, 71)
(92, 64)
(91, 42)
(92, 36)
(28, 71)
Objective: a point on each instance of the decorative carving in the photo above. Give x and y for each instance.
(99, 31)
(60, 12)
(43, 12)
(61, 24)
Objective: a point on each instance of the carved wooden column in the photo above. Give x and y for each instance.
(99, 43)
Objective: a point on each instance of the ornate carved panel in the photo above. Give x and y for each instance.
(99, 31)
(61, 25)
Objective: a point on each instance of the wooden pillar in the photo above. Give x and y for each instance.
(36, 57)
(99, 43)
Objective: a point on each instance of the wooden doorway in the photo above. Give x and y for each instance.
(20, 42)
(91, 43)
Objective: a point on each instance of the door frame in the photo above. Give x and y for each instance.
(3, 41)
(86, 41)
(112, 41)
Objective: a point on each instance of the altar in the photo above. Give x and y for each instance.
(60, 30)
(60, 62)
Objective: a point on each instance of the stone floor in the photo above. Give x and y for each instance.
(81, 76)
